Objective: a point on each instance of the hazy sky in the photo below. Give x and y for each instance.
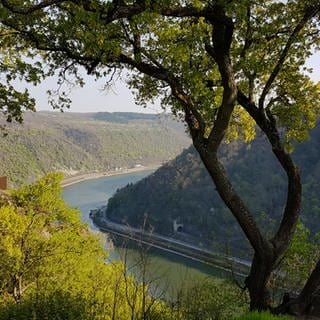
(92, 99)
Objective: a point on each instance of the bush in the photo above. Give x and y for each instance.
(262, 316)
(211, 300)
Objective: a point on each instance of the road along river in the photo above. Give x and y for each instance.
(171, 268)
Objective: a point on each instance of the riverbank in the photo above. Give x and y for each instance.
(237, 266)
(68, 181)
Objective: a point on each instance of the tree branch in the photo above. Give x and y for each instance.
(311, 287)
(29, 9)
(293, 202)
(193, 118)
(248, 37)
(220, 51)
(310, 12)
(221, 39)
(238, 208)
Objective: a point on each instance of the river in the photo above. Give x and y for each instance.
(173, 269)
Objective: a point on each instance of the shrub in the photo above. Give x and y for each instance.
(262, 316)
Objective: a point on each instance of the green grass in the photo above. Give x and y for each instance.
(262, 316)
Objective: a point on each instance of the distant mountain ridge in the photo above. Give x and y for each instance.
(77, 143)
(182, 191)
(125, 117)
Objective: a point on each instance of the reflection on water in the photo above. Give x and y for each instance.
(90, 194)
(163, 267)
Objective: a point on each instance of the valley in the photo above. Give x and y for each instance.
(82, 143)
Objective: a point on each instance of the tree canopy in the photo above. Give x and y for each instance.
(227, 67)
(16, 63)
(172, 48)
(53, 267)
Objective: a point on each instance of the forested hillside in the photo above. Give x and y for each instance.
(80, 143)
(53, 267)
(182, 190)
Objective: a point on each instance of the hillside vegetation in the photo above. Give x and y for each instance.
(182, 190)
(81, 143)
(53, 267)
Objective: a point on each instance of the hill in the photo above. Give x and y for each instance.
(77, 143)
(182, 191)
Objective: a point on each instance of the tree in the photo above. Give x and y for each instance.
(41, 239)
(226, 67)
(14, 65)
(53, 267)
(298, 261)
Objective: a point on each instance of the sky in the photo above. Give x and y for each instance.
(91, 98)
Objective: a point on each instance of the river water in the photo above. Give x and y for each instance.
(171, 268)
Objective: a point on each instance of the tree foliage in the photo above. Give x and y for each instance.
(16, 64)
(267, 52)
(52, 267)
(262, 316)
(224, 66)
(298, 261)
(211, 300)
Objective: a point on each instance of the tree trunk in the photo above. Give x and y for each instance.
(267, 252)
(257, 282)
(17, 288)
(264, 258)
(311, 287)
(307, 300)
(290, 216)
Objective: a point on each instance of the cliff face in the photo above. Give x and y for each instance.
(80, 143)
(182, 191)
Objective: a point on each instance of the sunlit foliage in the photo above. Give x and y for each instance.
(52, 267)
